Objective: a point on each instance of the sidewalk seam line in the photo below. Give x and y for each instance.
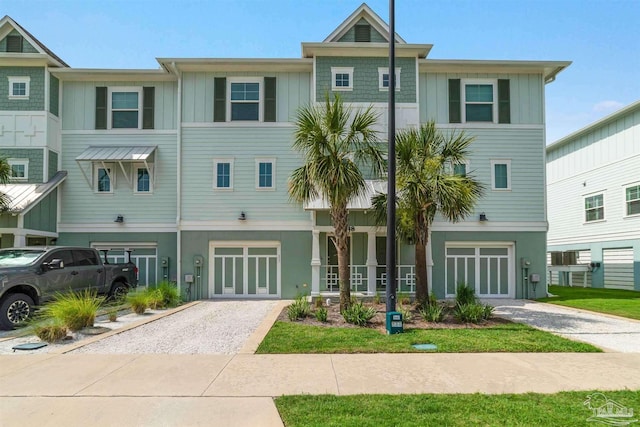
(216, 377)
(335, 376)
(106, 375)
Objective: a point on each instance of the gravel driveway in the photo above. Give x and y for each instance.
(607, 332)
(211, 327)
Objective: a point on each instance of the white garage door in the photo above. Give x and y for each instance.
(247, 269)
(488, 268)
(145, 257)
(618, 268)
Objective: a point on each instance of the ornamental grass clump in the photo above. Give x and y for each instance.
(321, 314)
(358, 314)
(299, 309)
(169, 293)
(469, 313)
(432, 313)
(51, 333)
(74, 310)
(407, 314)
(465, 294)
(138, 301)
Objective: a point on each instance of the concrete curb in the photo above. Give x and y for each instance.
(132, 325)
(251, 345)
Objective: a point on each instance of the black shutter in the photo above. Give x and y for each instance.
(455, 114)
(219, 99)
(148, 103)
(14, 44)
(504, 101)
(269, 99)
(101, 107)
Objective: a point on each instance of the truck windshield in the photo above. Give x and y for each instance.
(18, 257)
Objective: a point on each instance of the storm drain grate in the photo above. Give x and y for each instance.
(29, 346)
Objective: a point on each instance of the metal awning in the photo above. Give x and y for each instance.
(119, 154)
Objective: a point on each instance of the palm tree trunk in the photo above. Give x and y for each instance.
(422, 284)
(340, 217)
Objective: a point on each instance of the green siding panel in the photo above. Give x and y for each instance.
(8, 220)
(36, 89)
(44, 215)
(35, 156)
(54, 95)
(365, 79)
(53, 164)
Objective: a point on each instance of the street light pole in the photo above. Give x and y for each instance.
(391, 182)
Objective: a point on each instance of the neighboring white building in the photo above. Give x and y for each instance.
(593, 193)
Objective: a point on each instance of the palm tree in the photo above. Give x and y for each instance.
(426, 185)
(5, 177)
(336, 141)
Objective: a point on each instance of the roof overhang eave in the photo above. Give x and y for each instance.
(236, 64)
(309, 50)
(548, 69)
(99, 74)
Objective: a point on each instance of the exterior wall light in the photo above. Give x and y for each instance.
(242, 216)
(483, 217)
(119, 219)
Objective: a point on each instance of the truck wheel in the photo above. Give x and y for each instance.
(118, 291)
(15, 309)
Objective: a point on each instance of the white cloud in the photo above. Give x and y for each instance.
(607, 106)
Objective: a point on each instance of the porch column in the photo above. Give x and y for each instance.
(315, 263)
(19, 240)
(430, 263)
(372, 262)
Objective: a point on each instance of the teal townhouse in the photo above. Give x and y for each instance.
(187, 166)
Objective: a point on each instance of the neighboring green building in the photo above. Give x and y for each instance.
(187, 166)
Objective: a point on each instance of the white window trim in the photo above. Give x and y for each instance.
(584, 209)
(137, 166)
(624, 198)
(111, 169)
(493, 174)
(273, 173)
(260, 81)
(385, 70)
(25, 163)
(21, 79)
(341, 70)
(216, 161)
(138, 90)
(463, 96)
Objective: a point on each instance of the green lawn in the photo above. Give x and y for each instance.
(532, 409)
(610, 301)
(287, 337)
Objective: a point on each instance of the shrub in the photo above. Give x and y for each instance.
(465, 294)
(321, 314)
(139, 301)
(318, 302)
(51, 333)
(432, 299)
(113, 315)
(154, 298)
(169, 293)
(358, 314)
(299, 309)
(74, 310)
(472, 313)
(487, 312)
(403, 298)
(432, 313)
(377, 299)
(407, 314)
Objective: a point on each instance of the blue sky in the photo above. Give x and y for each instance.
(601, 37)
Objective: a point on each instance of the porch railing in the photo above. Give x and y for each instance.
(405, 278)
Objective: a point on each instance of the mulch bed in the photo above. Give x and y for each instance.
(335, 319)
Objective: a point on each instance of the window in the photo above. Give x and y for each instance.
(265, 174)
(383, 78)
(341, 78)
(460, 169)
(223, 174)
(594, 208)
(19, 87)
(632, 197)
(19, 169)
(479, 101)
(124, 107)
(143, 180)
(500, 174)
(105, 180)
(245, 99)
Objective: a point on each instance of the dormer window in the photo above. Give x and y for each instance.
(362, 33)
(14, 43)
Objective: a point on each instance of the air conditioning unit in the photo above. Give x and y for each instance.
(556, 258)
(570, 258)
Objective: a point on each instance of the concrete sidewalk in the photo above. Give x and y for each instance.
(82, 389)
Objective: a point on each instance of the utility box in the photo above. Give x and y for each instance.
(394, 322)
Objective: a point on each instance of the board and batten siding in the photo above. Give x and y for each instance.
(524, 149)
(201, 202)
(43, 216)
(80, 204)
(526, 96)
(79, 103)
(293, 91)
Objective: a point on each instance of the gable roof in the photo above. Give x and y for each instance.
(54, 59)
(366, 13)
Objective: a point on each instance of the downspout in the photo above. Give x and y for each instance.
(544, 178)
(178, 180)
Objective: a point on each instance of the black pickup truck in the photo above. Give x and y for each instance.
(32, 275)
